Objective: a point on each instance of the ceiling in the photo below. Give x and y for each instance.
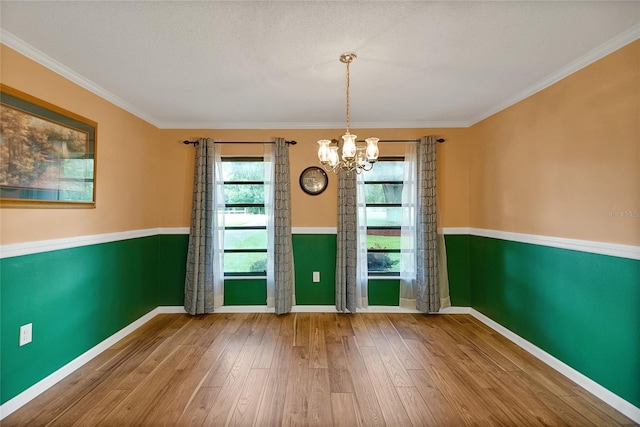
(187, 64)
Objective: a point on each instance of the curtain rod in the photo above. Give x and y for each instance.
(405, 140)
(186, 142)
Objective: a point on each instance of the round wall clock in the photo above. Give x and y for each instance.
(313, 180)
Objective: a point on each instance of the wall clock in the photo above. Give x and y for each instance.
(313, 180)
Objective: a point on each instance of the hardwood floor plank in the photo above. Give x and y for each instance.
(270, 411)
(138, 405)
(593, 413)
(445, 375)
(405, 324)
(344, 410)
(367, 405)
(258, 328)
(556, 405)
(442, 410)
(246, 409)
(317, 343)
(98, 411)
(343, 322)
(339, 376)
(286, 328)
(390, 404)
(319, 412)
(227, 399)
(301, 331)
(396, 343)
(223, 365)
(199, 406)
(416, 408)
(354, 370)
(361, 332)
(297, 399)
(331, 333)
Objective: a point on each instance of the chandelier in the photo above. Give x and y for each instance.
(354, 157)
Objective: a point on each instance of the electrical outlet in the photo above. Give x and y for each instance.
(316, 276)
(25, 334)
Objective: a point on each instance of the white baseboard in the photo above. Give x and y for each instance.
(582, 380)
(313, 309)
(455, 310)
(41, 386)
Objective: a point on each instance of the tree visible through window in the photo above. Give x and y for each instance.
(383, 198)
(245, 232)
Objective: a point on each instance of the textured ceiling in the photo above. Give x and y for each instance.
(189, 64)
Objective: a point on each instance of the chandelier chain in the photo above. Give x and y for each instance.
(348, 100)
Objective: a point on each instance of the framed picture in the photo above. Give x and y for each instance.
(47, 154)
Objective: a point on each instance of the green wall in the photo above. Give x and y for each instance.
(172, 258)
(315, 252)
(75, 298)
(459, 269)
(582, 308)
(312, 252)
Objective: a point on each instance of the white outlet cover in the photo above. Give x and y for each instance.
(25, 334)
(316, 276)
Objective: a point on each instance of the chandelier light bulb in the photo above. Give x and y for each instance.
(349, 146)
(372, 149)
(334, 158)
(323, 151)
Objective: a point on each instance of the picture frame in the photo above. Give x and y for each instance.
(47, 154)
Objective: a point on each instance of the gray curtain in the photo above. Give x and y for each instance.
(347, 248)
(427, 268)
(199, 281)
(283, 246)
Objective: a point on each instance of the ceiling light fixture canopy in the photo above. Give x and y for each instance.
(354, 157)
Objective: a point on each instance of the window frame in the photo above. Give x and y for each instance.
(390, 275)
(244, 274)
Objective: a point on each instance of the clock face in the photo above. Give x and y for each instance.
(313, 180)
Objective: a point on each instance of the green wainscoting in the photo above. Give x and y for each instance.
(245, 292)
(172, 261)
(458, 267)
(384, 292)
(312, 252)
(582, 308)
(75, 298)
(315, 252)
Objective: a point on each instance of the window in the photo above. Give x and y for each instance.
(384, 211)
(245, 231)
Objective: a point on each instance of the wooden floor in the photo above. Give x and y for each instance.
(315, 369)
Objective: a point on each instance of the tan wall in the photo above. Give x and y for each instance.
(565, 162)
(310, 211)
(126, 162)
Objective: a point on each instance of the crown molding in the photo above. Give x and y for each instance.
(312, 125)
(610, 46)
(45, 60)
